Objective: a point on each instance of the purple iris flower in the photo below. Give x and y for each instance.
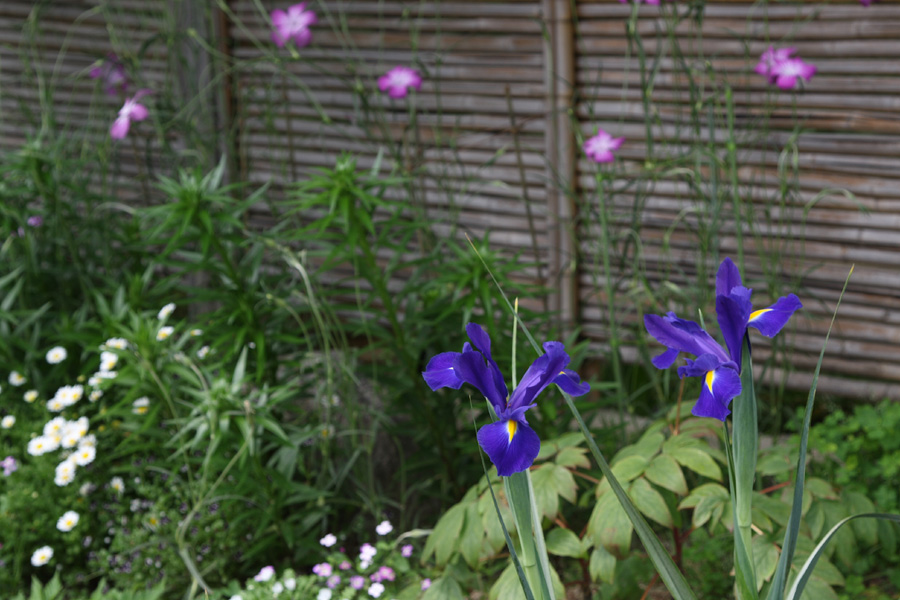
(720, 369)
(735, 313)
(509, 442)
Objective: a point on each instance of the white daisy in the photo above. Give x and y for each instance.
(165, 311)
(141, 405)
(164, 333)
(117, 485)
(8, 421)
(196, 332)
(41, 556)
(108, 361)
(202, 352)
(115, 344)
(85, 455)
(16, 379)
(65, 473)
(38, 446)
(95, 395)
(55, 426)
(68, 521)
(88, 440)
(31, 396)
(56, 355)
(55, 405)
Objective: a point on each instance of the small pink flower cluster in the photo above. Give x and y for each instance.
(781, 67)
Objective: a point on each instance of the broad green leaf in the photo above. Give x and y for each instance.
(816, 589)
(603, 565)
(665, 472)
(573, 457)
(698, 461)
(610, 526)
(821, 489)
(650, 502)
(564, 542)
(565, 484)
(508, 586)
(866, 530)
(470, 542)
(625, 470)
(443, 540)
(546, 496)
(765, 559)
(446, 588)
(704, 491)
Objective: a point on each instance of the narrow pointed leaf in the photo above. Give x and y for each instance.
(779, 580)
(810, 564)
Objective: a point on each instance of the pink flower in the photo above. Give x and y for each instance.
(600, 147)
(130, 111)
(867, 2)
(357, 582)
(35, 221)
(344, 565)
(780, 67)
(293, 25)
(386, 573)
(112, 72)
(265, 574)
(654, 2)
(333, 581)
(406, 551)
(397, 82)
(426, 583)
(770, 58)
(787, 72)
(322, 570)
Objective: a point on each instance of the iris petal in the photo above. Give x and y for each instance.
(482, 341)
(732, 313)
(717, 392)
(770, 321)
(540, 374)
(440, 372)
(727, 278)
(471, 368)
(570, 382)
(510, 454)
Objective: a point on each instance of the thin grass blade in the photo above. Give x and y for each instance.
(810, 564)
(789, 546)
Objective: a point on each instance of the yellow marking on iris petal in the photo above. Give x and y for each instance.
(758, 313)
(511, 427)
(710, 377)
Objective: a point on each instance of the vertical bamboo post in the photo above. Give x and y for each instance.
(559, 79)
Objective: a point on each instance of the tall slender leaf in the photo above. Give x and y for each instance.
(779, 579)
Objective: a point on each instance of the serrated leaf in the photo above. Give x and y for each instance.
(650, 502)
(546, 496)
(697, 460)
(665, 472)
(443, 540)
(573, 457)
(565, 485)
(564, 542)
(508, 586)
(610, 526)
(470, 542)
(602, 566)
(866, 530)
(446, 588)
(820, 488)
(765, 559)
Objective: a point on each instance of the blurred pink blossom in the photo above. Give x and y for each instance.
(600, 147)
(130, 111)
(398, 80)
(112, 72)
(293, 25)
